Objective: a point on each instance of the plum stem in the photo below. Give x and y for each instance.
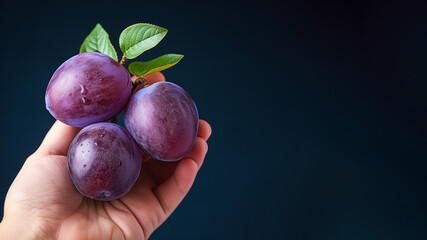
(138, 81)
(123, 61)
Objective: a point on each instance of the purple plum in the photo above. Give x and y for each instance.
(88, 88)
(163, 120)
(104, 161)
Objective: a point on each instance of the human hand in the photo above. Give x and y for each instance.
(42, 202)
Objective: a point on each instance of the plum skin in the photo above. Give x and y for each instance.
(104, 161)
(163, 119)
(87, 88)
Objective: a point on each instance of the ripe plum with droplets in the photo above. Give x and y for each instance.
(88, 88)
(163, 120)
(104, 161)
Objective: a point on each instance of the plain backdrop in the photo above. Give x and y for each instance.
(318, 108)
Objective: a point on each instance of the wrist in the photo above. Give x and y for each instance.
(21, 229)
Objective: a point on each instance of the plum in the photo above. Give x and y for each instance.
(163, 120)
(88, 88)
(104, 161)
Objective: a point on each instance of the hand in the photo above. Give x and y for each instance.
(42, 202)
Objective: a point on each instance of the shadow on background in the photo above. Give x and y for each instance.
(318, 110)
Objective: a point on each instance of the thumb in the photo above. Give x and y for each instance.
(58, 139)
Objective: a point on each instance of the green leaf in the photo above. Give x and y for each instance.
(139, 38)
(156, 65)
(98, 41)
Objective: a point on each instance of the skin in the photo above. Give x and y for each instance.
(42, 202)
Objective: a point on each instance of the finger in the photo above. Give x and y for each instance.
(155, 77)
(205, 130)
(152, 78)
(199, 151)
(172, 192)
(58, 139)
(174, 189)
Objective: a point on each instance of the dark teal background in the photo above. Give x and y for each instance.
(318, 110)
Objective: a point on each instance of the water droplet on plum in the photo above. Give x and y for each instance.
(83, 90)
(85, 101)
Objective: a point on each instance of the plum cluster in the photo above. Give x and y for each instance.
(104, 159)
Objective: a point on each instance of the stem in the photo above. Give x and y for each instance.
(123, 61)
(139, 81)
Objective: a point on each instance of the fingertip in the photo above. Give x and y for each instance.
(155, 77)
(205, 147)
(198, 152)
(205, 129)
